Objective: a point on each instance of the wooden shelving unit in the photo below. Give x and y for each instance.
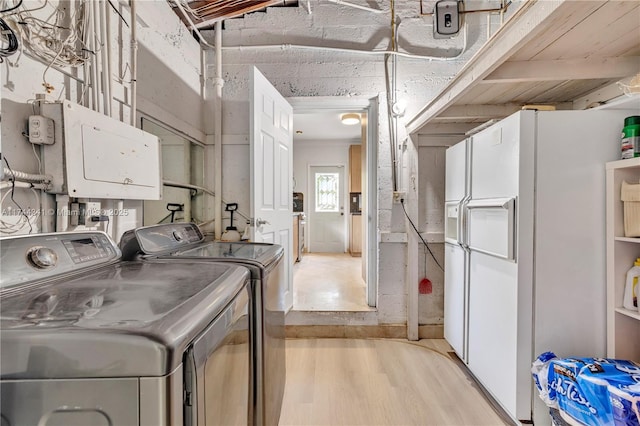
(623, 325)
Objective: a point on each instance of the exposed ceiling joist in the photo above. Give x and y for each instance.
(564, 69)
(205, 13)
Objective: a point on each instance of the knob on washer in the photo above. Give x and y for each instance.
(42, 257)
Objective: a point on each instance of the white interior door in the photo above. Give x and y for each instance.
(271, 165)
(326, 213)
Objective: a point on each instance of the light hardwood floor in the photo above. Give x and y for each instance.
(329, 282)
(380, 382)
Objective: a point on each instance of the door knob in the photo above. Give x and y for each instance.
(260, 222)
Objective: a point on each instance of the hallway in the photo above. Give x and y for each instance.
(329, 282)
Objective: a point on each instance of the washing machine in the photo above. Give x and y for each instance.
(182, 241)
(89, 339)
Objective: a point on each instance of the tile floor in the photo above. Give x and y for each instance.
(329, 282)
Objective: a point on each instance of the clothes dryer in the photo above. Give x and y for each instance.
(86, 338)
(185, 241)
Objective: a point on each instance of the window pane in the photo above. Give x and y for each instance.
(327, 185)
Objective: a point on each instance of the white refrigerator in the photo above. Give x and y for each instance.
(456, 254)
(534, 225)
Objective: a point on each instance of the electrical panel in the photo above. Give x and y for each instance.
(446, 16)
(96, 156)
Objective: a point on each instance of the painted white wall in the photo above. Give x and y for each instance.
(168, 89)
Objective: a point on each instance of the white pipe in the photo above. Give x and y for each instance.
(357, 6)
(104, 51)
(97, 57)
(134, 63)
(25, 177)
(186, 186)
(26, 185)
(118, 206)
(109, 59)
(192, 25)
(217, 132)
(62, 212)
(356, 51)
(92, 66)
(309, 6)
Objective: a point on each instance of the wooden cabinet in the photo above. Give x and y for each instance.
(355, 169)
(623, 325)
(355, 235)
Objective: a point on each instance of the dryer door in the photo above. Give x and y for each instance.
(218, 369)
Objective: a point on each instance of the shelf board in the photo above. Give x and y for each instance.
(628, 239)
(623, 164)
(629, 313)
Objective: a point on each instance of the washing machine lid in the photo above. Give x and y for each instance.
(127, 319)
(186, 240)
(261, 253)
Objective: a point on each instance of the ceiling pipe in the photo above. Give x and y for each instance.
(193, 26)
(356, 6)
(217, 135)
(134, 62)
(355, 51)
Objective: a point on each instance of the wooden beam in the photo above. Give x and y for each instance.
(462, 113)
(564, 69)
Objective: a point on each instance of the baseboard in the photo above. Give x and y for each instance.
(346, 331)
(390, 331)
(435, 331)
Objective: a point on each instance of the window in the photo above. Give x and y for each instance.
(327, 185)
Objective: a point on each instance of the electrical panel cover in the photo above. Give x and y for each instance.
(96, 156)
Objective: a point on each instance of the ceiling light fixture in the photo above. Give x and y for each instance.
(350, 118)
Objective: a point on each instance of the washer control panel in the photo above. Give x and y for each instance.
(167, 237)
(41, 256)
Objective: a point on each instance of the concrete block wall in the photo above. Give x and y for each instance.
(326, 73)
(168, 89)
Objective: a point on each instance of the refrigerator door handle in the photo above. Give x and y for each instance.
(508, 204)
(463, 235)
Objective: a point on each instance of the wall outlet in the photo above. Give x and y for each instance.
(398, 195)
(41, 130)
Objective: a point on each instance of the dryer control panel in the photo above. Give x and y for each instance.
(29, 258)
(160, 239)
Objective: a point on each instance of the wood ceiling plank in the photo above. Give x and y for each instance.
(558, 29)
(463, 113)
(595, 32)
(529, 22)
(567, 69)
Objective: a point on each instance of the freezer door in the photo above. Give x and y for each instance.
(456, 172)
(455, 298)
(495, 162)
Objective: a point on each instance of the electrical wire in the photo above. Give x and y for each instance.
(12, 8)
(420, 236)
(11, 40)
(13, 188)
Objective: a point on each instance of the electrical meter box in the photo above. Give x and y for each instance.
(96, 156)
(446, 16)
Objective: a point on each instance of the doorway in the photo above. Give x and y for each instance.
(325, 217)
(329, 278)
